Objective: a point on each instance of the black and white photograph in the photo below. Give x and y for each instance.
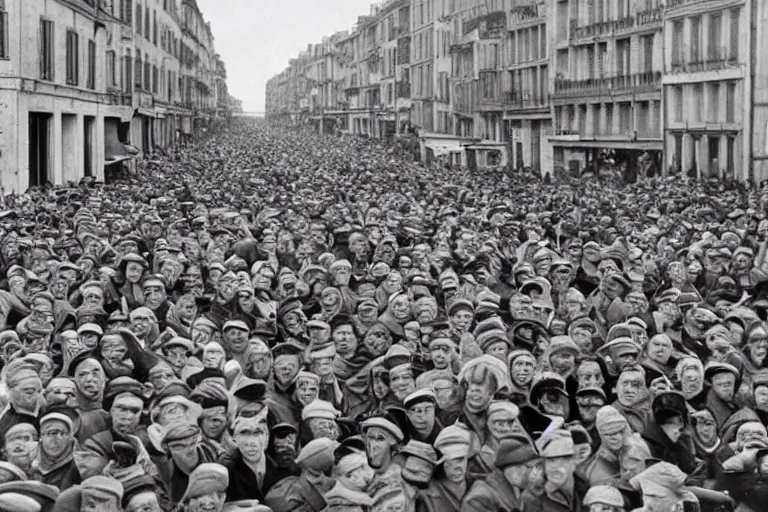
(383, 256)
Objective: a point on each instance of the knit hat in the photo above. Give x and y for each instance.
(610, 421)
(659, 479)
(453, 442)
(319, 409)
(318, 454)
(207, 478)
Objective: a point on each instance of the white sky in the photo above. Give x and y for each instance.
(256, 38)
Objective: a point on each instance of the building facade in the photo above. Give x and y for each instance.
(636, 87)
(86, 82)
(707, 87)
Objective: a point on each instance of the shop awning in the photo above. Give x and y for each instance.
(114, 150)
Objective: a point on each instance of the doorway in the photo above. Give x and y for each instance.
(39, 148)
(88, 124)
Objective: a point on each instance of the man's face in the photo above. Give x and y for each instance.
(630, 388)
(322, 366)
(154, 297)
(724, 386)
(522, 371)
(358, 478)
(752, 431)
(286, 368)
(184, 451)
(761, 398)
(345, 340)
(285, 448)
(478, 395)
(422, 417)
(588, 407)
(141, 323)
(624, 358)
(55, 439)
(214, 422)
(461, 320)
(563, 362)
(441, 356)
(306, 391)
(632, 464)
(559, 470)
(659, 349)
(501, 424)
(706, 431)
(89, 379)
(236, 339)
(322, 427)
(21, 448)
(589, 374)
(673, 428)
(378, 445)
(126, 414)
(144, 502)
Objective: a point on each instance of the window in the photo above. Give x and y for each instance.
(677, 101)
(73, 61)
(139, 18)
(3, 31)
(735, 34)
(730, 102)
(147, 25)
(138, 70)
(91, 78)
(155, 80)
(147, 72)
(713, 51)
(111, 69)
(695, 39)
(714, 102)
(126, 10)
(698, 100)
(46, 50)
(154, 27)
(677, 43)
(127, 72)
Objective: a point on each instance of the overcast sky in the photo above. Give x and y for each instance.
(256, 38)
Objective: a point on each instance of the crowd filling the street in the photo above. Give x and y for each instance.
(277, 320)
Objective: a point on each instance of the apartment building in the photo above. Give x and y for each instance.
(198, 69)
(606, 82)
(527, 112)
(707, 87)
(59, 85)
(86, 83)
(760, 97)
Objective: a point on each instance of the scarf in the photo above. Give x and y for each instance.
(48, 464)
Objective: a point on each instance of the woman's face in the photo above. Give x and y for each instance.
(706, 431)
(380, 389)
(692, 381)
(133, 271)
(187, 310)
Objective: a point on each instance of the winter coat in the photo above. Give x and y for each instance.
(295, 494)
(10, 417)
(437, 498)
(602, 468)
(243, 484)
(556, 501)
(682, 454)
(175, 480)
(494, 494)
(341, 499)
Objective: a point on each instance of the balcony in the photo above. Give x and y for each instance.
(513, 100)
(673, 4)
(601, 28)
(119, 98)
(640, 82)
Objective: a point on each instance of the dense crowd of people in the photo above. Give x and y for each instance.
(275, 320)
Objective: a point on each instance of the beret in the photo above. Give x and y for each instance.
(104, 484)
(179, 431)
(319, 409)
(207, 478)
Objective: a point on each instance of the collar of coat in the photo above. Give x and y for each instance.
(343, 494)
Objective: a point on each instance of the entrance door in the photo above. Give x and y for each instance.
(714, 155)
(472, 159)
(39, 148)
(146, 135)
(88, 123)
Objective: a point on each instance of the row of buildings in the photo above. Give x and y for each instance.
(637, 85)
(88, 83)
